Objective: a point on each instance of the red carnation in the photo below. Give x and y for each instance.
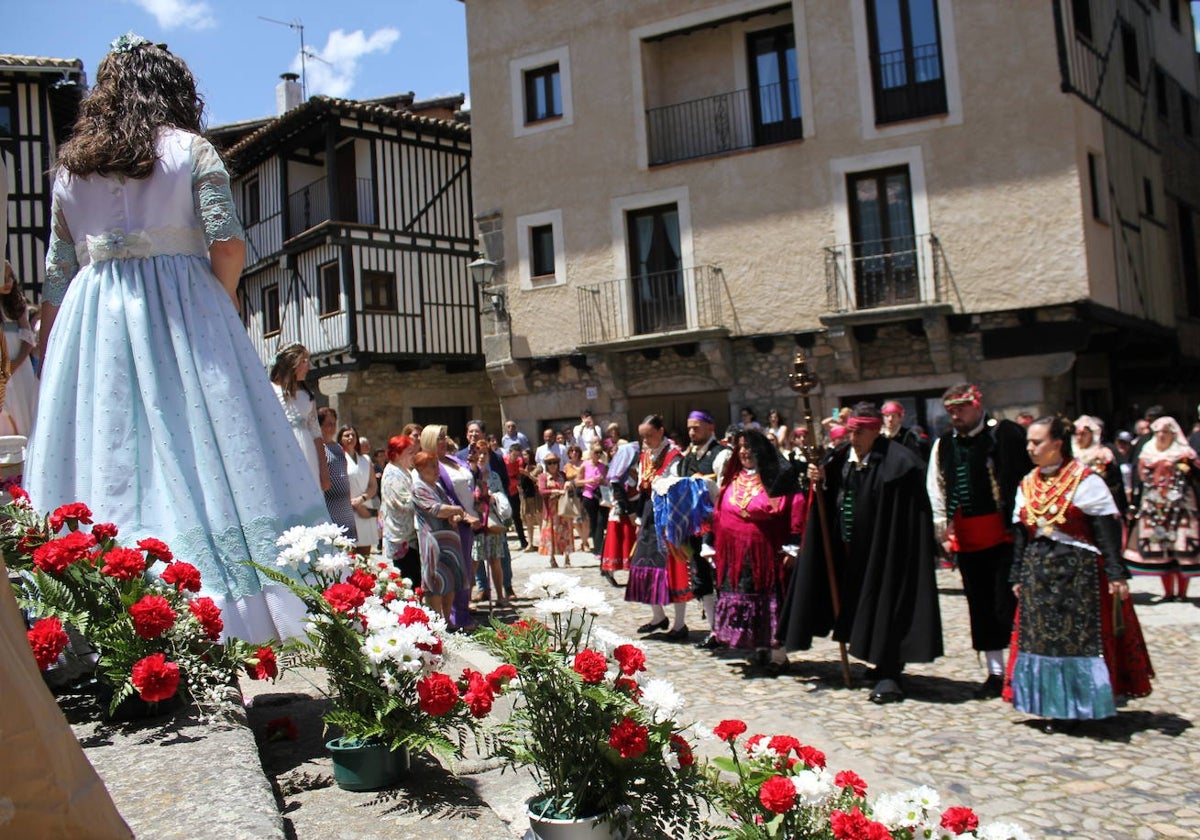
(960, 820)
(73, 515)
(104, 531)
(155, 678)
(437, 694)
(183, 576)
(363, 581)
(19, 495)
(156, 549)
(152, 616)
(47, 639)
(501, 677)
(344, 597)
(208, 614)
(630, 658)
(728, 730)
(850, 779)
(431, 647)
(591, 665)
(777, 794)
(783, 744)
(413, 615)
(629, 738)
(811, 756)
(56, 555)
(682, 750)
(265, 668)
(479, 694)
(855, 825)
(282, 729)
(629, 686)
(123, 563)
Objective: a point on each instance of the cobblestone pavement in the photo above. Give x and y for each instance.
(1132, 776)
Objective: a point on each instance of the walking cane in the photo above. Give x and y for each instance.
(802, 381)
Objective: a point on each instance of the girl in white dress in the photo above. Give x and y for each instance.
(287, 378)
(20, 400)
(361, 473)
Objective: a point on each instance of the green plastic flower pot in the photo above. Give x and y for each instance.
(366, 766)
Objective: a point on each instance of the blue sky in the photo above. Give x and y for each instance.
(370, 47)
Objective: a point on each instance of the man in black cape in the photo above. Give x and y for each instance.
(881, 536)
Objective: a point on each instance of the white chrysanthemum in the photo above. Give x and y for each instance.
(670, 758)
(334, 564)
(589, 599)
(328, 532)
(813, 786)
(1001, 831)
(661, 698)
(292, 557)
(378, 618)
(376, 648)
(608, 641)
(550, 584)
(760, 750)
(342, 543)
(298, 536)
(552, 606)
(701, 732)
(391, 683)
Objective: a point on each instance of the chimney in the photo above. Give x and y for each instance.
(287, 93)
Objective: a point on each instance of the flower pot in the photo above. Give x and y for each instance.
(366, 766)
(585, 828)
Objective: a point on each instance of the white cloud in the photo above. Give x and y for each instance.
(172, 13)
(332, 69)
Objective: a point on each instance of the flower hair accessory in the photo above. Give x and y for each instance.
(128, 43)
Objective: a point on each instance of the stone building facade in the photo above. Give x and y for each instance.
(680, 194)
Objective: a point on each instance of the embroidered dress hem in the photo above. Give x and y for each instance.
(648, 585)
(746, 621)
(620, 537)
(1062, 687)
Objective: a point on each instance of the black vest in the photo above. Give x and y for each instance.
(966, 479)
(702, 465)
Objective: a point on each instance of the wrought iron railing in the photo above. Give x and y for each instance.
(666, 301)
(309, 205)
(726, 122)
(885, 272)
(909, 85)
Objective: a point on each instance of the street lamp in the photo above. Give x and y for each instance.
(483, 272)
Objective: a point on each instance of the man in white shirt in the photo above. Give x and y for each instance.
(549, 446)
(511, 436)
(586, 433)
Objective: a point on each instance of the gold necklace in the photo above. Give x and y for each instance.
(1048, 497)
(745, 487)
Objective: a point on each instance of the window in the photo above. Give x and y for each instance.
(1129, 52)
(270, 309)
(774, 85)
(1081, 13)
(251, 208)
(7, 129)
(1185, 105)
(1096, 187)
(541, 251)
(378, 291)
(543, 94)
(883, 241)
(1187, 258)
(331, 288)
(1148, 196)
(1174, 6)
(906, 59)
(1160, 92)
(656, 269)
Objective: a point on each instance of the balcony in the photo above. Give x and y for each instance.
(727, 122)
(263, 239)
(905, 271)
(685, 300)
(310, 205)
(908, 86)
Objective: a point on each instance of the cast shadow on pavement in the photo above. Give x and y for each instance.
(1122, 727)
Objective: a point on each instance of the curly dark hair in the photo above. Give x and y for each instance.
(13, 304)
(137, 92)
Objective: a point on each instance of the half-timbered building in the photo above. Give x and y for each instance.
(39, 100)
(359, 235)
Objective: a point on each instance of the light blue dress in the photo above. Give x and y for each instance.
(155, 410)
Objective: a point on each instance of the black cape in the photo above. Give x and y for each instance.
(885, 577)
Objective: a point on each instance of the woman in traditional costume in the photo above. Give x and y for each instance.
(1077, 645)
(620, 532)
(1093, 454)
(1165, 537)
(759, 510)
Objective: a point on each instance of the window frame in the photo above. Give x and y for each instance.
(541, 80)
(524, 228)
(1129, 44)
(878, 91)
(271, 313)
(1086, 32)
(251, 201)
(789, 126)
(324, 309)
(536, 266)
(1096, 180)
(387, 281)
(517, 68)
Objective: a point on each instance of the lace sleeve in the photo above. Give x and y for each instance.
(61, 262)
(211, 194)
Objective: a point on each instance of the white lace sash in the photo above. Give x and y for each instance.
(117, 244)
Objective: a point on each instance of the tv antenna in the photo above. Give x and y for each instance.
(298, 26)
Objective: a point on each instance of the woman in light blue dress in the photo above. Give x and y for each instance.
(155, 410)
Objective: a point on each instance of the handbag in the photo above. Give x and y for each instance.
(568, 505)
(606, 495)
(362, 511)
(500, 514)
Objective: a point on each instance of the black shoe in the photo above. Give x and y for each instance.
(651, 626)
(886, 691)
(710, 642)
(760, 657)
(680, 635)
(774, 669)
(990, 688)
